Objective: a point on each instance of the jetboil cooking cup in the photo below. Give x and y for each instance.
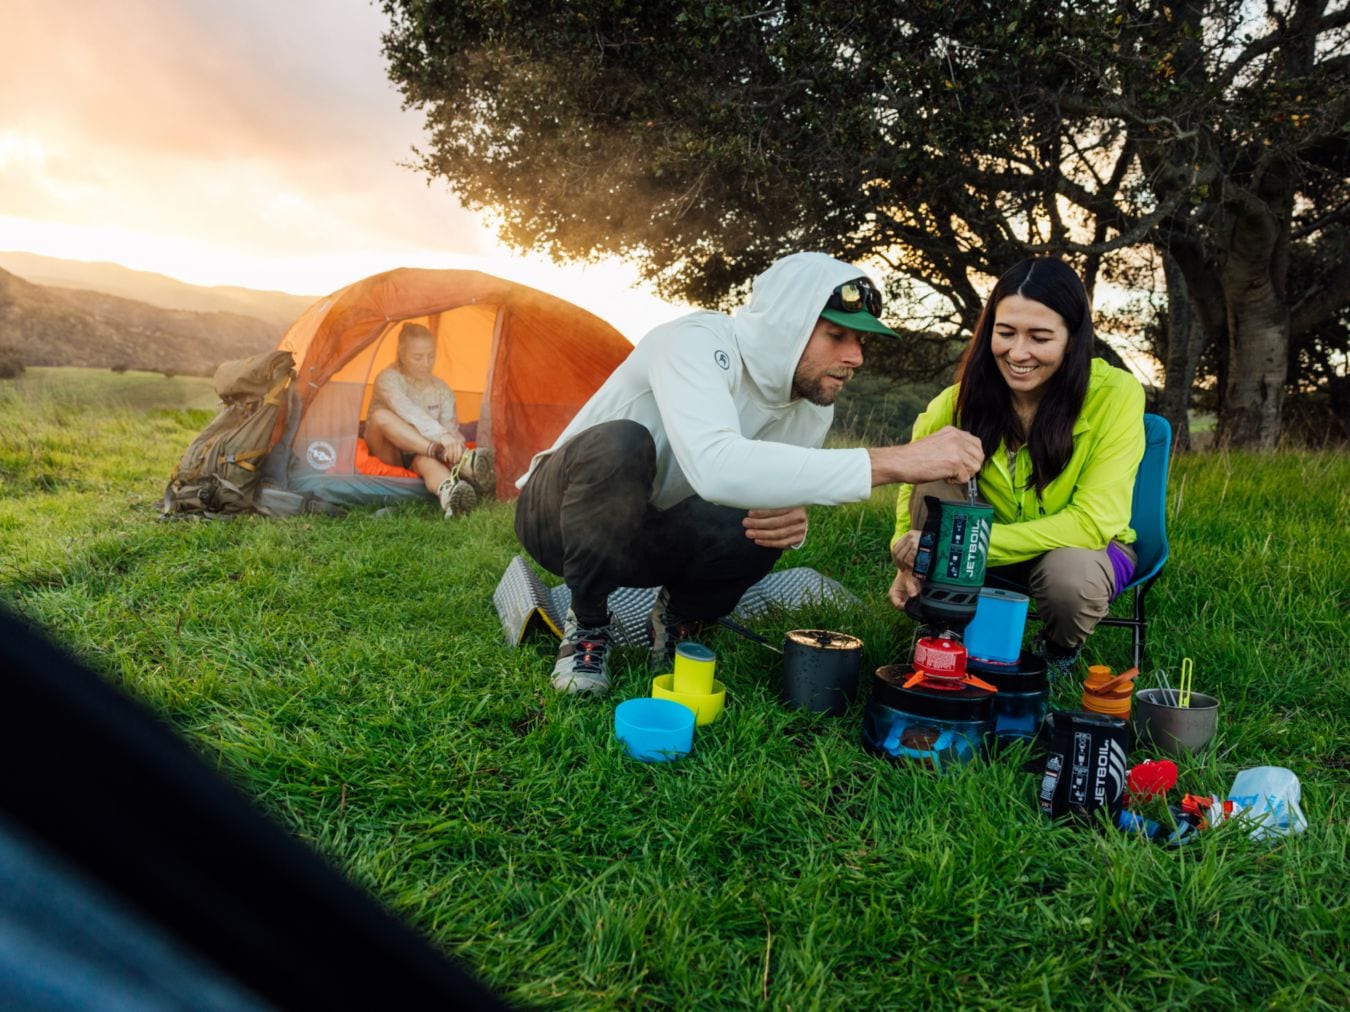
(951, 557)
(820, 670)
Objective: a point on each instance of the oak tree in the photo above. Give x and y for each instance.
(942, 139)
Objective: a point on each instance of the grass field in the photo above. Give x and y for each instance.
(350, 675)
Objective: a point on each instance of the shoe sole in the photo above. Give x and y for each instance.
(575, 684)
(484, 478)
(463, 499)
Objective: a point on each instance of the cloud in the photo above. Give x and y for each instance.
(253, 142)
(248, 123)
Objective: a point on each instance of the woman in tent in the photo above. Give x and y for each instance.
(411, 423)
(1063, 435)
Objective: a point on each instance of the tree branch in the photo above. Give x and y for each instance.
(1321, 301)
(1263, 45)
(1330, 218)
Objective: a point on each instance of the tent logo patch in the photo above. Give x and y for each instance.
(722, 359)
(320, 455)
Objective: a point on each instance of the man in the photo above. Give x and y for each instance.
(691, 467)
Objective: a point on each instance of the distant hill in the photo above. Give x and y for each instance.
(65, 327)
(279, 309)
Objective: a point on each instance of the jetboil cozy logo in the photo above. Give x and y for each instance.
(968, 547)
(1097, 773)
(1085, 769)
(977, 548)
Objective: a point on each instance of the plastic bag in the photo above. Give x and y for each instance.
(1267, 798)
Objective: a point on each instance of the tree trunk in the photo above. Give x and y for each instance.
(1254, 273)
(1185, 341)
(1258, 328)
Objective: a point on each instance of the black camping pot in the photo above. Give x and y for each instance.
(820, 670)
(1023, 694)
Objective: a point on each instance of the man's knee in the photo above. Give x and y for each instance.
(618, 451)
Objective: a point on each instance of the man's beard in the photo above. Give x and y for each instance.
(816, 390)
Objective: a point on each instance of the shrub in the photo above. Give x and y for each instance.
(11, 362)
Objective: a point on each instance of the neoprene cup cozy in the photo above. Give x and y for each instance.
(1085, 768)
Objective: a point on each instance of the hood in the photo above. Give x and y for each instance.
(785, 302)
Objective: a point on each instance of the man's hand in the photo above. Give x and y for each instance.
(947, 455)
(782, 528)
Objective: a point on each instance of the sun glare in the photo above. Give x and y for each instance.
(609, 290)
(20, 149)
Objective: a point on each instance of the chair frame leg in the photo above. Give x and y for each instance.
(1138, 622)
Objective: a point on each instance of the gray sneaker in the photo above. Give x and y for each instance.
(479, 468)
(583, 663)
(459, 499)
(667, 630)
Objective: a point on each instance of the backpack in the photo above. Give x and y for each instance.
(220, 471)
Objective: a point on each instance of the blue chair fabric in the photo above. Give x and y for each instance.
(1148, 517)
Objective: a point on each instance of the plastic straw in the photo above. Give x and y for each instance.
(1187, 678)
(1167, 687)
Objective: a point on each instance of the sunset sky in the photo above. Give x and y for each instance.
(253, 142)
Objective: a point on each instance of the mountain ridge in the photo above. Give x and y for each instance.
(278, 309)
(74, 327)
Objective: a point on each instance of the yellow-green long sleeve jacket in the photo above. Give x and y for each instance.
(1087, 504)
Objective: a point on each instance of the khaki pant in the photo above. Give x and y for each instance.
(1072, 587)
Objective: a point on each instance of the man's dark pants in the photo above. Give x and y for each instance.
(585, 515)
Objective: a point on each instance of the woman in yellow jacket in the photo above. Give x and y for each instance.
(1063, 435)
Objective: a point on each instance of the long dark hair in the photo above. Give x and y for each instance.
(984, 402)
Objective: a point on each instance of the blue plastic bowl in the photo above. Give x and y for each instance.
(654, 730)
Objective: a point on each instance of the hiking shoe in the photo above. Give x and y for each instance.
(1059, 662)
(667, 630)
(457, 498)
(479, 468)
(583, 664)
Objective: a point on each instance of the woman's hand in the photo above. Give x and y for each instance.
(452, 448)
(781, 528)
(903, 587)
(904, 550)
(906, 584)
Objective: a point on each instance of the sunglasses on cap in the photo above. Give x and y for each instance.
(856, 295)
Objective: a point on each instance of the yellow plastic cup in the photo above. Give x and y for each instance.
(707, 707)
(694, 664)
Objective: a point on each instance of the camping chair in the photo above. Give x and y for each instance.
(1148, 518)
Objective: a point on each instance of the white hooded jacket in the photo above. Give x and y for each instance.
(715, 392)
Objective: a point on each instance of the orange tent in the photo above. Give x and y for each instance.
(521, 363)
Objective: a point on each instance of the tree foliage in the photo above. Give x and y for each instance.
(942, 139)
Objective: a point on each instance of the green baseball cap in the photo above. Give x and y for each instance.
(856, 304)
